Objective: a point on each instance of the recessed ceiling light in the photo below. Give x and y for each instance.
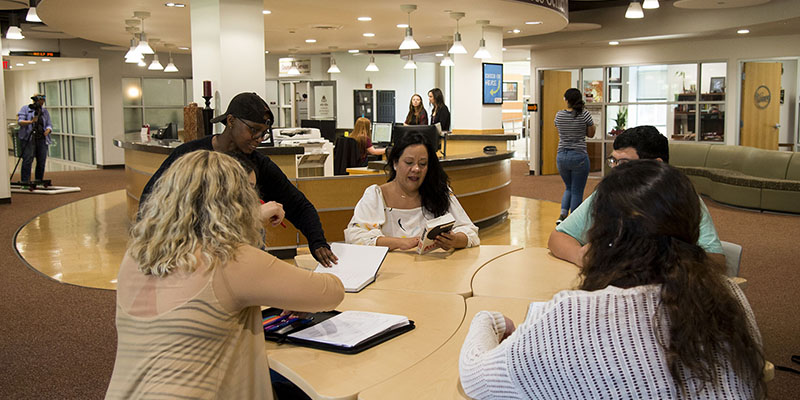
(516, 31)
(533, 23)
(743, 31)
(368, 34)
(170, 4)
(365, 19)
(439, 54)
(528, 58)
(31, 62)
(402, 25)
(266, 12)
(20, 64)
(183, 48)
(45, 59)
(178, 5)
(504, 49)
(353, 51)
(613, 42)
(266, 51)
(311, 40)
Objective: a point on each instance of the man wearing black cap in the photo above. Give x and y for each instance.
(247, 120)
(34, 137)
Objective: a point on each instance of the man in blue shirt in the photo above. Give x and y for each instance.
(34, 137)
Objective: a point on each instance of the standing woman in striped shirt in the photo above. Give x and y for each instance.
(574, 126)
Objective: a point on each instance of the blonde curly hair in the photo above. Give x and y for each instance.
(202, 202)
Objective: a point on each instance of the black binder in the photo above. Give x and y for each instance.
(322, 316)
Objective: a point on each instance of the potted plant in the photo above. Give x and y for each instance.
(620, 122)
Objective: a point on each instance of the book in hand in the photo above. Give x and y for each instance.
(434, 228)
(358, 265)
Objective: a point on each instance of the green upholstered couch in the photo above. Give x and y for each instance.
(741, 176)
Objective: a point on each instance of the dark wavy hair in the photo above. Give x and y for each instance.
(575, 101)
(438, 99)
(648, 142)
(435, 188)
(645, 230)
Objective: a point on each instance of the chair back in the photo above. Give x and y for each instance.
(733, 257)
(345, 155)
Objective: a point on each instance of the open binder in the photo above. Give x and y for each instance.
(290, 333)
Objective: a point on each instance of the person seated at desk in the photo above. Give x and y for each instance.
(191, 283)
(394, 214)
(416, 112)
(654, 317)
(362, 133)
(247, 121)
(568, 240)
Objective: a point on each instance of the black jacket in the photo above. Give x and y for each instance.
(272, 186)
(442, 116)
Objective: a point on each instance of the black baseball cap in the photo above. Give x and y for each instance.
(249, 106)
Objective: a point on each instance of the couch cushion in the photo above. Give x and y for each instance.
(770, 164)
(793, 170)
(688, 154)
(727, 157)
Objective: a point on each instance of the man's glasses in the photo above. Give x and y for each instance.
(613, 162)
(255, 132)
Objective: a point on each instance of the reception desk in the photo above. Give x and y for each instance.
(480, 181)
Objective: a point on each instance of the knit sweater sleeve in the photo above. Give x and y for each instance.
(483, 366)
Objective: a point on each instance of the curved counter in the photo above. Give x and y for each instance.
(480, 181)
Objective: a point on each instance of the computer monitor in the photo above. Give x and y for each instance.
(381, 132)
(429, 131)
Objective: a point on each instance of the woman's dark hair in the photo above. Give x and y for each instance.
(434, 191)
(438, 98)
(575, 101)
(414, 113)
(645, 229)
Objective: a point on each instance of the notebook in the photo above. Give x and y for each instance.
(433, 228)
(358, 265)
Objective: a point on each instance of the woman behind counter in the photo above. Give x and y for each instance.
(440, 113)
(655, 317)
(416, 112)
(394, 214)
(191, 283)
(362, 133)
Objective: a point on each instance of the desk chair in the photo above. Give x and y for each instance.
(733, 259)
(345, 155)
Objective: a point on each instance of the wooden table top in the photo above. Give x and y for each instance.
(531, 273)
(327, 375)
(436, 377)
(437, 271)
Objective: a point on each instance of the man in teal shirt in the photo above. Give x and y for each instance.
(568, 240)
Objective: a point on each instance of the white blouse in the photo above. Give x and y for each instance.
(585, 345)
(372, 219)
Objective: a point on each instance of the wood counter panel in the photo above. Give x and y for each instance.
(470, 146)
(144, 161)
(338, 191)
(488, 204)
(475, 178)
(135, 181)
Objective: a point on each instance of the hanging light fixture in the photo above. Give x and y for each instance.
(32, 16)
(171, 66)
(457, 48)
(334, 69)
(410, 64)
(482, 53)
(142, 63)
(447, 61)
(408, 42)
(155, 65)
(634, 10)
(293, 69)
(133, 56)
(143, 47)
(650, 4)
(372, 67)
(14, 32)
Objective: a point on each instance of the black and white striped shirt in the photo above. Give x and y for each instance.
(572, 129)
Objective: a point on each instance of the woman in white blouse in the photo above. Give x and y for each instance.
(655, 317)
(394, 214)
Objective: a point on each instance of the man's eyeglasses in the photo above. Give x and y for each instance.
(613, 162)
(255, 132)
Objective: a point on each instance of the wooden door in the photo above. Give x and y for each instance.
(554, 84)
(761, 110)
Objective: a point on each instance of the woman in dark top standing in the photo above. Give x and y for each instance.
(574, 126)
(416, 112)
(440, 113)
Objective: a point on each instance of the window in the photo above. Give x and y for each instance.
(71, 108)
(154, 101)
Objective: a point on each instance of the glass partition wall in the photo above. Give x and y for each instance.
(71, 106)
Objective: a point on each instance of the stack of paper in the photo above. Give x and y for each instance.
(350, 328)
(358, 265)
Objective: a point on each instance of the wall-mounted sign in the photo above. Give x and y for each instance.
(534, 107)
(762, 97)
(492, 83)
(323, 102)
(35, 53)
(303, 66)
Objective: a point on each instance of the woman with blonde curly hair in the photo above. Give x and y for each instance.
(191, 283)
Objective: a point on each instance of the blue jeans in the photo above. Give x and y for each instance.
(574, 169)
(33, 148)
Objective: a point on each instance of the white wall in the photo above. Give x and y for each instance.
(391, 76)
(789, 107)
(5, 187)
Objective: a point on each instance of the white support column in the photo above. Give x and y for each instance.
(5, 183)
(469, 114)
(227, 49)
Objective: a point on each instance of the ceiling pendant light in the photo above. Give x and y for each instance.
(334, 69)
(650, 4)
(142, 63)
(32, 16)
(372, 67)
(408, 42)
(155, 65)
(446, 61)
(457, 48)
(293, 70)
(133, 56)
(482, 53)
(410, 64)
(634, 10)
(171, 66)
(143, 47)
(14, 32)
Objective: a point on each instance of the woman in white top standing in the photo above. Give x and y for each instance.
(655, 317)
(394, 214)
(574, 125)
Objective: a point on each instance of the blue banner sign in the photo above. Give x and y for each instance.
(492, 83)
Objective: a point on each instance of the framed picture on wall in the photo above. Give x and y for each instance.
(492, 83)
(510, 91)
(718, 84)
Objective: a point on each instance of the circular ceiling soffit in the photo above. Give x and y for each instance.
(717, 4)
(580, 27)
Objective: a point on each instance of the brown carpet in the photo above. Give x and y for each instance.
(58, 341)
